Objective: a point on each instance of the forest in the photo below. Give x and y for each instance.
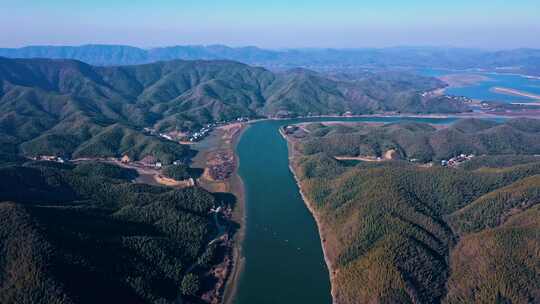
(404, 232)
(71, 109)
(87, 234)
(423, 142)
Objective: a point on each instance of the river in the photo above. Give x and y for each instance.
(283, 258)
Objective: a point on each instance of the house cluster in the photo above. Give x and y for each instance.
(147, 161)
(153, 132)
(435, 93)
(195, 136)
(57, 159)
(225, 211)
(205, 131)
(459, 98)
(290, 129)
(454, 161)
(165, 136)
(150, 131)
(202, 133)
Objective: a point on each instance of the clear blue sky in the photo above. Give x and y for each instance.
(273, 23)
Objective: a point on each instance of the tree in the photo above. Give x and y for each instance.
(177, 172)
(190, 285)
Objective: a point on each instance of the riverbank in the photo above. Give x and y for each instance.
(224, 140)
(323, 233)
(239, 216)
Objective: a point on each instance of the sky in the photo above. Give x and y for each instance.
(488, 24)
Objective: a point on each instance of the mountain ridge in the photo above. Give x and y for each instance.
(522, 60)
(59, 105)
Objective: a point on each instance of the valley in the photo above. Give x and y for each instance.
(184, 164)
(269, 152)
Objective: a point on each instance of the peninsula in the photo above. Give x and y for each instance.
(514, 92)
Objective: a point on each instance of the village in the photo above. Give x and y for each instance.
(455, 161)
(193, 136)
(219, 167)
(149, 169)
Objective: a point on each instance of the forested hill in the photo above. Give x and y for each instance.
(404, 232)
(88, 234)
(518, 60)
(424, 142)
(67, 107)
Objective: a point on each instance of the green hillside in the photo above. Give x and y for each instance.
(425, 143)
(498, 265)
(66, 107)
(86, 234)
(400, 232)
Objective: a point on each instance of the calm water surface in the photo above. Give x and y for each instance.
(482, 90)
(284, 262)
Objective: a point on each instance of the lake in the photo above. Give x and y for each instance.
(482, 90)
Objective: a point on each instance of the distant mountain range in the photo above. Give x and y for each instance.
(66, 107)
(519, 60)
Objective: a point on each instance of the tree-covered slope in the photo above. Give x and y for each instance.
(498, 265)
(87, 234)
(400, 232)
(66, 107)
(425, 143)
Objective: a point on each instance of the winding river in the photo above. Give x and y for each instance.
(283, 258)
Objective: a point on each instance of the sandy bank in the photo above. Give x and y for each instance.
(223, 140)
(514, 92)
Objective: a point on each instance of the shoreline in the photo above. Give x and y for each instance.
(487, 71)
(225, 140)
(231, 285)
(311, 209)
(514, 92)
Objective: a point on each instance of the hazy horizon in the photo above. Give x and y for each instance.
(277, 25)
(268, 48)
